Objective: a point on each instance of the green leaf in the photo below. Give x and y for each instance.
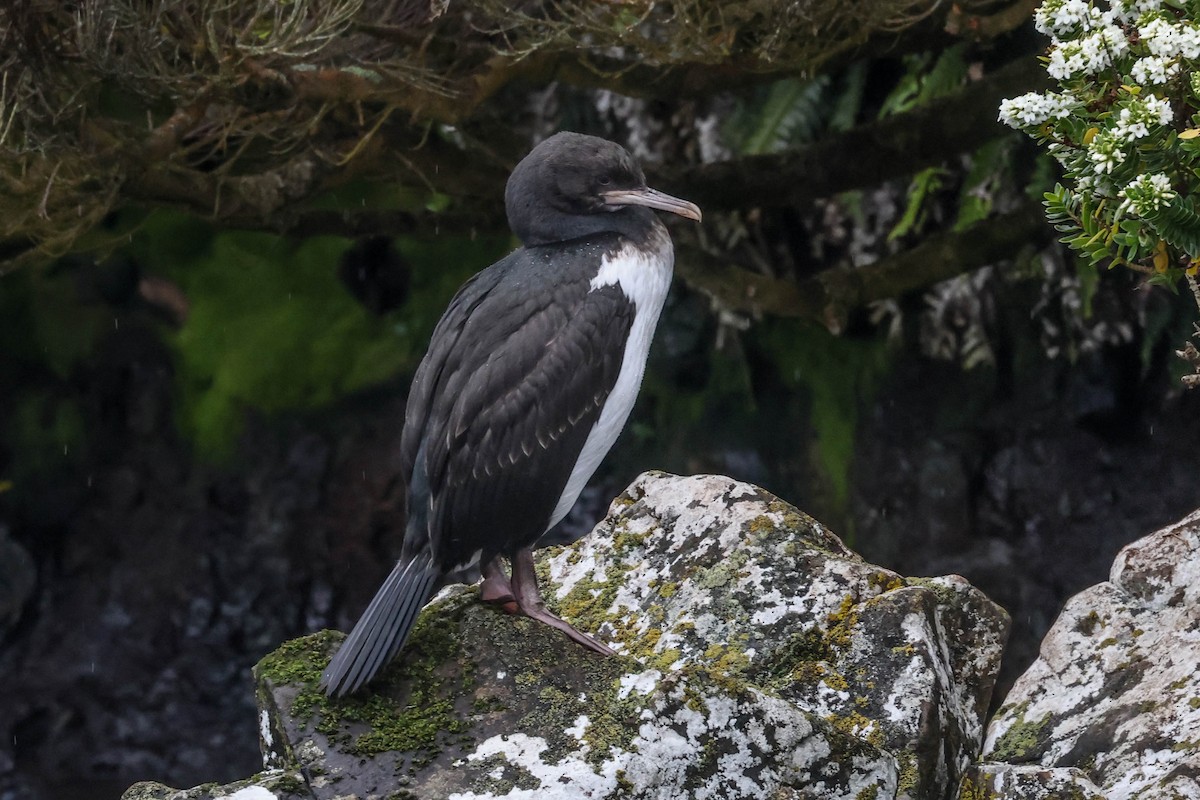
(920, 85)
(987, 165)
(1179, 225)
(924, 183)
(786, 113)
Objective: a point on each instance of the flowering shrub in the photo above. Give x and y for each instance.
(1124, 126)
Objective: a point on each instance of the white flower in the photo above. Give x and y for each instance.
(1145, 194)
(1153, 70)
(1105, 152)
(1059, 19)
(1035, 109)
(1159, 107)
(1129, 10)
(1139, 116)
(1065, 61)
(1089, 55)
(1168, 39)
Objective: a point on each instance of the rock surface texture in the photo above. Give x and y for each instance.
(1115, 693)
(760, 659)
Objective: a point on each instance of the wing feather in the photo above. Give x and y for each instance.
(513, 383)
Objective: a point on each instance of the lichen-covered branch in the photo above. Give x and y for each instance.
(863, 156)
(831, 295)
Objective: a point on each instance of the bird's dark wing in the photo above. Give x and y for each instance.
(515, 378)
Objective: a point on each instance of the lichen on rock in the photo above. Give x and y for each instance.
(759, 658)
(1112, 704)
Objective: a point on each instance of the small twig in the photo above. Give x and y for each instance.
(46, 194)
(366, 137)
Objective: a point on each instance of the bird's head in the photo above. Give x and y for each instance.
(571, 185)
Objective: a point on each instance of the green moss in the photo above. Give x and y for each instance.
(1194, 702)
(909, 773)
(587, 604)
(842, 624)
(270, 327)
(803, 658)
(726, 665)
(857, 725)
(1087, 623)
(664, 660)
(867, 793)
(968, 790)
(885, 582)
(410, 707)
(299, 662)
(762, 524)
(624, 542)
(839, 375)
(487, 704)
(557, 705)
(625, 786)
(289, 783)
(45, 322)
(1022, 739)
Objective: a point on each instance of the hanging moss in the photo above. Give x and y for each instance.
(839, 376)
(270, 327)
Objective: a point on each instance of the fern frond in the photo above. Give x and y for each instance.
(793, 113)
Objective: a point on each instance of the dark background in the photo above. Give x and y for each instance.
(220, 266)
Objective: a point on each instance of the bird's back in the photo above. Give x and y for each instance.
(516, 378)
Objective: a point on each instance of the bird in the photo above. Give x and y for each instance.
(530, 375)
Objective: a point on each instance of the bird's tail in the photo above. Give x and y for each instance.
(384, 626)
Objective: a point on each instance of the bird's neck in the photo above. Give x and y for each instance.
(635, 223)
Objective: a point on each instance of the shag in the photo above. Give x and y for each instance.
(530, 376)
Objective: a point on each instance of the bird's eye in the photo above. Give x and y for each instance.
(605, 181)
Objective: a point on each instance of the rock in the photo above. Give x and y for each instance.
(268, 786)
(1115, 692)
(760, 658)
(18, 578)
(995, 781)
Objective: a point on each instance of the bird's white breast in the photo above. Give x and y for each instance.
(644, 276)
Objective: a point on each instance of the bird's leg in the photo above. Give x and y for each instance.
(529, 600)
(495, 587)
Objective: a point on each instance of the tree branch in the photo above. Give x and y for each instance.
(989, 26)
(864, 156)
(831, 295)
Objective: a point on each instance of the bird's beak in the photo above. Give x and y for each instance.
(652, 198)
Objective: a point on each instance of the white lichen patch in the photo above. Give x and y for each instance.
(264, 733)
(640, 682)
(252, 793)
(525, 752)
(579, 728)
